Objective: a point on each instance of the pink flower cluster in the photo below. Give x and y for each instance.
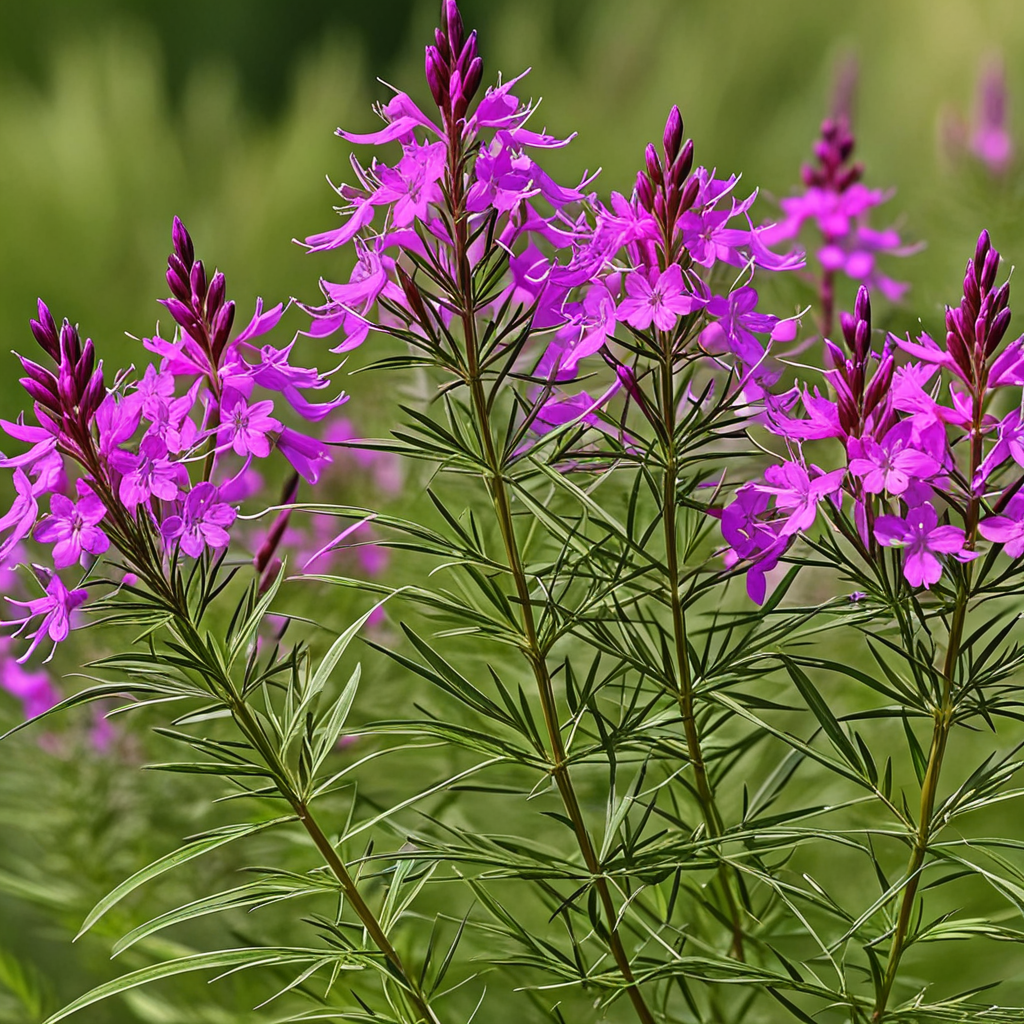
(153, 463)
(569, 265)
(839, 203)
(929, 466)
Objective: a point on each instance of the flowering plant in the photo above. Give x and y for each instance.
(654, 789)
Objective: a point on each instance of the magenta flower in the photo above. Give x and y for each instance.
(736, 320)
(924, 540)
(1007, 529)
(902, 456)
(413, 184)
(245, 427)
(203, 521)
(21, 516)
(990, 141)
(35, 690)
(55, 608)
(794, 489)
(149, 473)
(307, 455)
(658, 298)
(72, 528)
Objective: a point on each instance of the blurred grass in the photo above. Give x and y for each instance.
(106, 132)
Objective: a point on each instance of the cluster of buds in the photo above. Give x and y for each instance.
(198, 307)
(832, 152)
(862, 405)
(975, 328)
(664, 188)
(65, 402)
(453, 66)
(917, 455)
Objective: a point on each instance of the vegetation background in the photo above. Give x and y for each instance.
(117, 114)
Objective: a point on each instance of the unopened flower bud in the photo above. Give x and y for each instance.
(83, 369)
(182, 243)
(673, 135)
(197, 280)
(93, 394)
(689, 194)
(989, 270)
(41, 394)
(474, 76)
(453, 26)
(70, 344)
(442, 44)
(39, 374)
(45, 331)
(221, 328)
(683, 163)
(436, 69)
(184, 317)
(179, 289)
(215, 295)
(862, 305)
(644, 191)
(997, 331)
(653, 164)
(413, 298)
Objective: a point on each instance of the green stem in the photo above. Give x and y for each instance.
(929, 789)
(250, 729)
(705, 793)
(532, 647)
(684, 691)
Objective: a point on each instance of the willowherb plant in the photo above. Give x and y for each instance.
(647, 797)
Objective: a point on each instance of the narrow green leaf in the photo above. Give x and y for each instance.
(196, 848)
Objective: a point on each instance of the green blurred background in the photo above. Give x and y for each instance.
(116, 115)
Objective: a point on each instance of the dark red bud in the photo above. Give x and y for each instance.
(848, 325)
(184, 316)
(989, 270)
(862, 340)
(997, 330)
(215, 295)
(972, 293)
(468, 55)
(961, 356)
(862, 306)
(683, 163)
(453, 25)
(93, 394)
(673, 135)
(70, 344)
(436, 69)
(644, 191)
(653, 164)
(981, 251)
(197, 280)
(45, 331)
(835, 354)
(41, 394)
(660, 210)
(39, 373)
(83, 371)
(413, 297)
(474, 76)
(182, 243)
(689, 194)
(222, 328)
(67, 388)
(442, 44)
(178, 290)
